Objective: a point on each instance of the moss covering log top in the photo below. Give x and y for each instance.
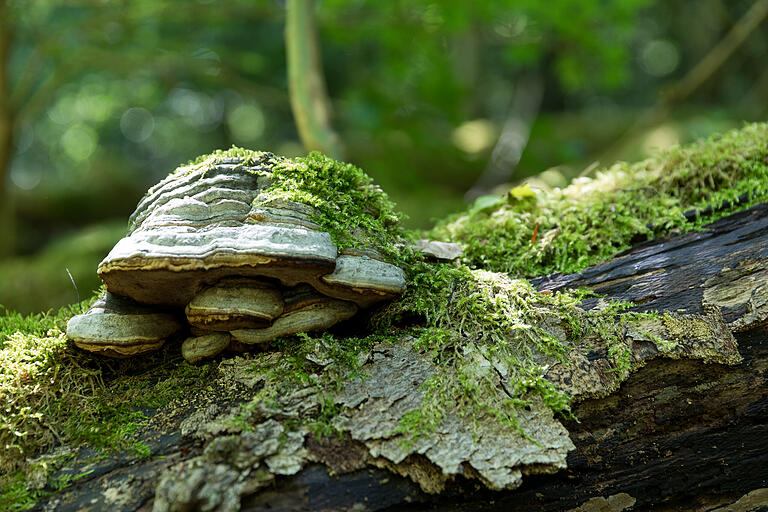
(534, 232)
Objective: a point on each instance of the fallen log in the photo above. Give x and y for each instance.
(688, 431)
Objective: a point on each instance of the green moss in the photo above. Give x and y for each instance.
(665, 345)
(686, 328)
(593, 219)
(352, 209)
(35, 324)
(247, 156)
(15, 494)
(53, 393)
(484, 331)
(322, 425)
(22, 489)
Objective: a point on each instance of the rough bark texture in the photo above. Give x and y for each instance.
(687, 431)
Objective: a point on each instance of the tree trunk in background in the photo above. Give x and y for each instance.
(306, 83)
(465, 51)
(526, 102)
(7, 223)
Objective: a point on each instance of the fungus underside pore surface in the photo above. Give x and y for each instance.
(51, 393)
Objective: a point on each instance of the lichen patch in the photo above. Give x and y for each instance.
(741, 288)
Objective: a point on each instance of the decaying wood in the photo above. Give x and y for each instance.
(688, 431)
(724, 265)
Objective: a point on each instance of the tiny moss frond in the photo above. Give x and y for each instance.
(593, 219)
(322, 426)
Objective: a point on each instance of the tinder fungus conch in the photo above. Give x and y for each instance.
(241, 248)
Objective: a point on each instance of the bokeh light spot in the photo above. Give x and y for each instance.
(94, 107)
(64, 110)
(26, 178)
(554, 177)
(246, 122)
(660, 57)
(79, 142)
(137, 124)
(185, 102)
(663, 137)
(197, 109)
(474, 136)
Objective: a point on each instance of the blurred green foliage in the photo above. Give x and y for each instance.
(107, 97)
(41, 282)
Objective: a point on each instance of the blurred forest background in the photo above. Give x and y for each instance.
(440, 101)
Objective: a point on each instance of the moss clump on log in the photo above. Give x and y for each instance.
(54, 394)
(482, 328)
(532, 233)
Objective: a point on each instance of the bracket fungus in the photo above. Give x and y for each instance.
(235, 251)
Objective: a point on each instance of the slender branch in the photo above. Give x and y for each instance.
(514, 137)
(720, 54)
(306, 83)
(696, 77)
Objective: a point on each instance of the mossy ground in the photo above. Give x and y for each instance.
(530, 233)
(51, 393)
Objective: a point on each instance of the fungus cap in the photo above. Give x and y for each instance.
(217, 220)
(120, 327)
